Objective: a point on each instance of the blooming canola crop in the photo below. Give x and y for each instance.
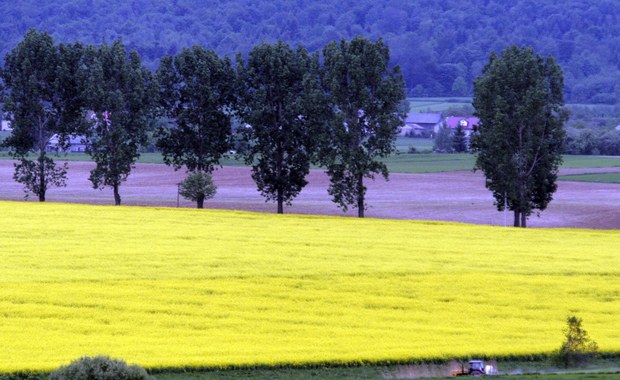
(180, 288)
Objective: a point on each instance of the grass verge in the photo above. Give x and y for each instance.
(598, 177)
(397, 163)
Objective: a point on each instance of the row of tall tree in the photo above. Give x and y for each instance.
(341, 112)
(54, 92)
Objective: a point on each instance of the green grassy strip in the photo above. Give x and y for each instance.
(606, 367)
(398, 163)
(596, 177)
(145, 158)
(353, 374)
(429, 163)
(582, 162)
(433, 163)
(368, 373)
(436, 104)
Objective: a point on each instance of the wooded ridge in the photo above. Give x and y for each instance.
(441, 45)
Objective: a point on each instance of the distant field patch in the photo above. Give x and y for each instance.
(598, 177)
(580, 162)
(438, 104)
(438, 162)
(421, 145)
(145, 158)
(192, 288)
(430, 162)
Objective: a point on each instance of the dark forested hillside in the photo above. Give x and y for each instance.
(441, 45)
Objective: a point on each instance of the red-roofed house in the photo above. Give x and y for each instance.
(467, 122)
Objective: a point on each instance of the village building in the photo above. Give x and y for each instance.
(77, 144)
(466, 122)
(421, 124)
(5, 126)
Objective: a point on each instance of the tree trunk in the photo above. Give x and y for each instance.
(280, 201)
(41, 177)
(117, 196)
(360, 196)
(523, 203)
(517, 218)
(200, 201)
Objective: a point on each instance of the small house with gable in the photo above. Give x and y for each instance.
(6, 126)
(76, 144)
(421, 124)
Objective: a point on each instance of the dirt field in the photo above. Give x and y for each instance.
(453, 196)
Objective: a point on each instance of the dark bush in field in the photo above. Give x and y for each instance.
(99, 368)
(24, 376)
(592, 142)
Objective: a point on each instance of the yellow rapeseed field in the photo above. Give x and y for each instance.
(179, 287)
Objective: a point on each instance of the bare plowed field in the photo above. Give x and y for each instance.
(451, 196)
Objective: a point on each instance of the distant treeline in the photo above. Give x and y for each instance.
(441, 45)
(592, 142)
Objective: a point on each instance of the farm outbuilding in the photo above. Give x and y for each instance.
(6, 126)
(76, 144)
(422, 124)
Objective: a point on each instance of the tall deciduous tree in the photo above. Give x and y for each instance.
(364, 96)
(43, 83)
(197, 94)
(278, 101)
(121, 92)
(519, 100)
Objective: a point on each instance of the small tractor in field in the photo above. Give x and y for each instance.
(476, 368)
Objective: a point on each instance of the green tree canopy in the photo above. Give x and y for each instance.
(121, 92)
(364, 97)
(519, 140)
(277, 86)
(197, 94)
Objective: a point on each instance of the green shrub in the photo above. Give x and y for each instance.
(443, 141)
(99, 368)
(578, 349)
(198, 187)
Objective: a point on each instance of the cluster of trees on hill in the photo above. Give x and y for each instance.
(440, 45)
(341, 112)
